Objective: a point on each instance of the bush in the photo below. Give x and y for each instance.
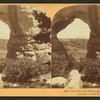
(20, 70)
(44, 25)
(91, 70)
(58, 68)
(79, 43)
(72, 63)
(63, 69)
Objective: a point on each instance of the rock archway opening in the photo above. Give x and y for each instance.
(75, 38)
(4, 37)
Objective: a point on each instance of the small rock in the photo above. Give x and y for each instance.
(29, 47)
(19, 55)
(15, 85)
(94, 84)
(29, 53)
(34, 58)
(42, 46)
(33, 80)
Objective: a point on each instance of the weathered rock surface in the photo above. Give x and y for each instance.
(25, 23)
(87, 13)
(74, 80)
(57, 82)
(45, 55)
(1, 81)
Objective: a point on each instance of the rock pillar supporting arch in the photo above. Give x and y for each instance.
(93, 43)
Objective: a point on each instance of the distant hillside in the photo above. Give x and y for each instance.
(3, 44)
(79, 43)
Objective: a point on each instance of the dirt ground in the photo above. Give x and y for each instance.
(32, 83)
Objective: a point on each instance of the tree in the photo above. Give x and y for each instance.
(45, 25)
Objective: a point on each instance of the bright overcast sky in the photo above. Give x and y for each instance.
(77, 29)
(4, 30)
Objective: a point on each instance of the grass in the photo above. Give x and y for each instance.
(3, 53)
(33, 83)
(74, 48)
(80, 53)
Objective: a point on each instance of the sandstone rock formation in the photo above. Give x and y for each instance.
(57, 82)
(59, 58)
(74, 80)
(87, 13)
(30, 31)
(1, 81)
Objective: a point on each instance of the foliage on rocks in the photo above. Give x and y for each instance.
(90, 69)
(57, 70)
(20, 70)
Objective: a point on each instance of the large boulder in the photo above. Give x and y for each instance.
(74, 80)
(57, 82)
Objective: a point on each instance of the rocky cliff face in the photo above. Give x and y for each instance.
(30, 32)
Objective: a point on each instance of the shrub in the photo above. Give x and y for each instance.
(91, 70)
(79, 43)
(58, 68)
(63, 69)
(71, 62)
(44, 25)
(20, 70)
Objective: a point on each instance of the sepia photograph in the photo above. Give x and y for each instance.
(75, 47)
(49, 50)
(25, 47)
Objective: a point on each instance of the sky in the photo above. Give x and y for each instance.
(77, 29)
(4, 30)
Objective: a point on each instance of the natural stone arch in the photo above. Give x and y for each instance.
(87, 13)
(24, 31)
